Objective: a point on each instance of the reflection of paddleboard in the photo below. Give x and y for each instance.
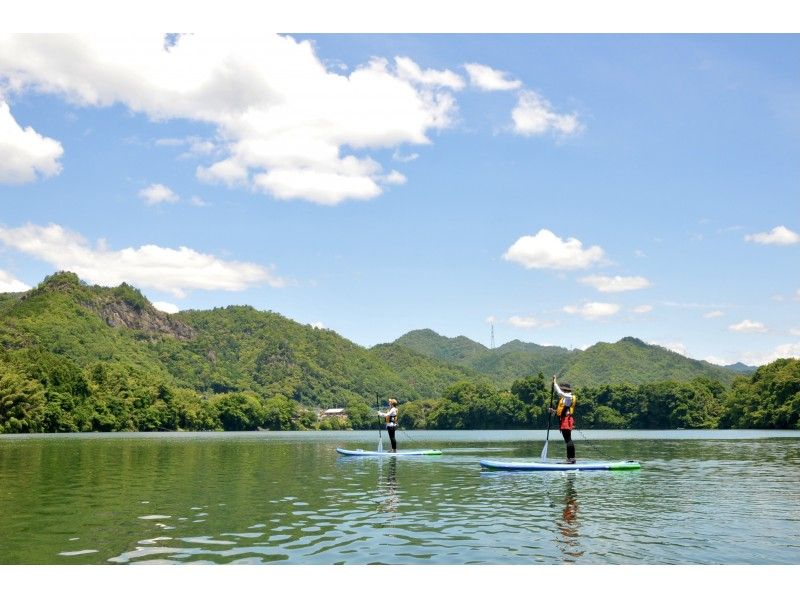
(539, 466)
(363, 453)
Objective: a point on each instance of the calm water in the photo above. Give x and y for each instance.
(288, 498)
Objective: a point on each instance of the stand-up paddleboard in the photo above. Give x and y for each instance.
(363, 453)
(545, 466)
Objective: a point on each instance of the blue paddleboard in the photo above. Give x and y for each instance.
(551, 466)
(363, 453)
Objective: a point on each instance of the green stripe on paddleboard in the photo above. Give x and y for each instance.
(625, 465)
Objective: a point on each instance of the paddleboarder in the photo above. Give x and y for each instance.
(564, 410)
(391, 422)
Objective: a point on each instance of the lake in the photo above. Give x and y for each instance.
(701, 497)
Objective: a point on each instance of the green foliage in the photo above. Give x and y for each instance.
(768, 399)
(626, 361)
(21, 403)
(79, 358)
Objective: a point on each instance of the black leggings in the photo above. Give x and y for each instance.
(390, 430)
(567, 434)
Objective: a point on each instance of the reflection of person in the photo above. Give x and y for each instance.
(391, 486)
(564, 410)
(568, 525)
(391, 422)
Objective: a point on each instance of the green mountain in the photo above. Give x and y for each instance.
(633, 361)
(629, 360)
(75, 357)
(68, 337)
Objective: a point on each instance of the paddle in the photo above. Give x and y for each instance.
(380, 436)
(547, 437)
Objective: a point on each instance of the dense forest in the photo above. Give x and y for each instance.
(79, 358)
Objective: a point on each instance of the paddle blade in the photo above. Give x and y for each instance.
(544, 451)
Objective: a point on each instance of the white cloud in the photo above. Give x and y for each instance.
(318, 325)
(489, 79)
(533, 115)
(716, 360)
(713, 314)
(404, 158)
(674, 346)
(491, 320)
(794, 331)
(546, 250)
(409, 70)
(780, 352)
(642, 309)
(198, 201)
(780, 235)
(616, 284)
(528, 322)
(158, 193)
(286, 125)
(9, 284)
(174, 271)
(24, 153)
(748, 326)
(593, 311)
(168, 308)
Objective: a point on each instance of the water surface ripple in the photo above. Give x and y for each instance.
(708, 497)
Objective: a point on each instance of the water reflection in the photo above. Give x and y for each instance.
(568, 524)
(387, 487)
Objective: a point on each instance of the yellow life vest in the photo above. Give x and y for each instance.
(562, 403)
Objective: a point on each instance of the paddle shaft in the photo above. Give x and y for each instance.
(547, 437)
(380, 435)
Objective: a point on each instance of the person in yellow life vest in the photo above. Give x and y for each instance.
(564, 411)
(391, 422)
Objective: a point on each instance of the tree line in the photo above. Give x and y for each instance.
(42, 391)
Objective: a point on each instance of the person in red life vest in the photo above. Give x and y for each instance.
(564, 410)
(391, 422)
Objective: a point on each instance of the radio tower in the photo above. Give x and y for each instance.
(492, 335)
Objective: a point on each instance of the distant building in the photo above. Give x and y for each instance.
(337, 412)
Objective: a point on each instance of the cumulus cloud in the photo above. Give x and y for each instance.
(318, 325)
(167, 308)
(794, 331)
(158, 193)
(9, 284)
(713, 314)
(780, 235)
(785, 351)
(592, 310)
(716, 360)
(748, 326)
(409, 70)
(489, 79)
(616, 284)
(528, 322)
(24, 153)
(285, 124)
(533, 115)
(165, 269)
(642, 309)
(546, 250)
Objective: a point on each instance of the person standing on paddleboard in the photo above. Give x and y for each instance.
(391, 422)
(564, 410)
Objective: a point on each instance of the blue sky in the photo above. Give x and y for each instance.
(568, 188)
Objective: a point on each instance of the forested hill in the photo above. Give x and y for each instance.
(629, 360)
(75, 357)
(67, 341)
